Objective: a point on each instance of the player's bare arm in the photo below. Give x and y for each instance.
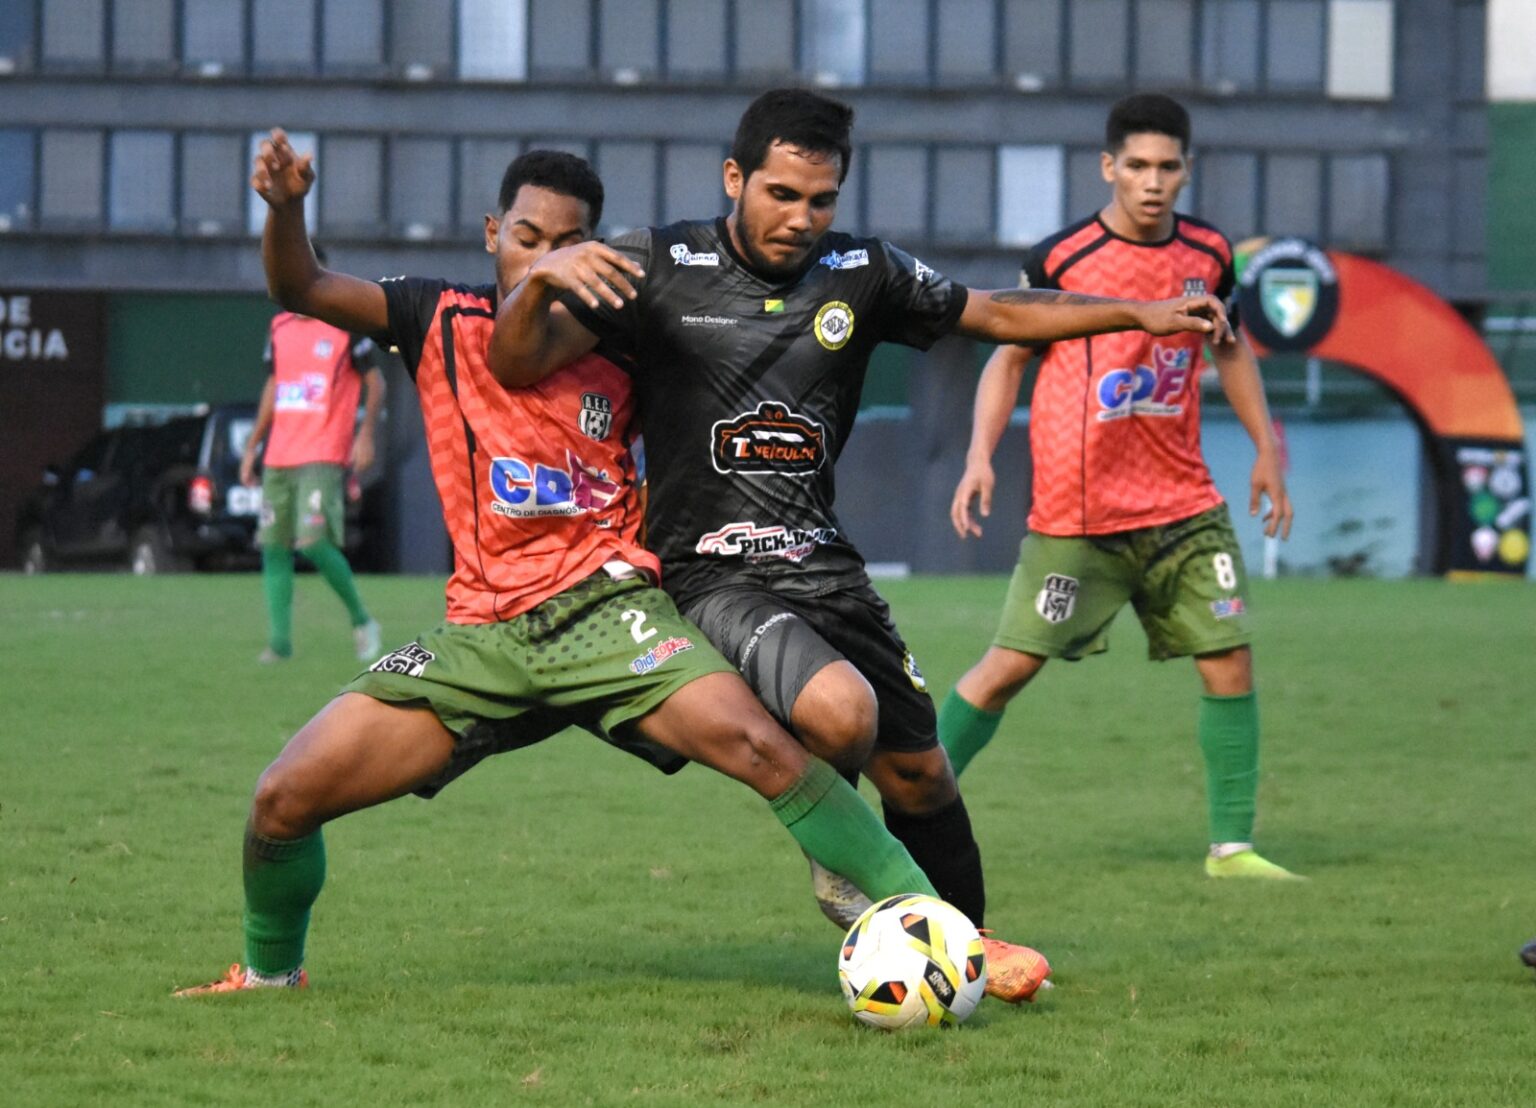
(364, 447)
(264, 409)
(534, 335)
(295, 278)
(1047, 315)
(996, 395)
(1243, 385)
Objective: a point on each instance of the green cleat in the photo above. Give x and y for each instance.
(1248, 863)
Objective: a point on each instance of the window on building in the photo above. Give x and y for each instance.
(896, 183)
(1229, 45)
(1029, 193)
(1293, 45)
(1293, 187)
(850, 194)
(71, 179)
(1086, 190)
(141, 187)
(420, 183)
(1165, 43)
(696, 47)
(1472, 30)
(144, 36)
(493, 40)
(630, 167)
(765, 40)
(966, 39)
(74, 34)
(692, 181)
(213, 37)
(1358, 201)
(283, 36)
(213, 183)
(19, 181)
(352, 36)
(1229, 192)
(420, 40)
(303, 143)
(630, 40)
(1032, 42)
(898, 36)
(560, 32)
(1099, 42)
(834, 38)
(353, 203)
(17, 26)
(963, 207)
(482, 163)
(1469, 195)
(1360, 45)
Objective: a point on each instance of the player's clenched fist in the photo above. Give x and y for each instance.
(279, 174)
(591, 270)
(1204, 314)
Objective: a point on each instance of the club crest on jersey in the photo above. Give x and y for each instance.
(834, 325)
(324, 348)
(770, 439)
(853, 259)
(596, 418)
(1147, 390)
(681, 255)
(1194, 286)
(746, 540)
(1056, 601)
(923, 273)
(409, 661)
(523, 491)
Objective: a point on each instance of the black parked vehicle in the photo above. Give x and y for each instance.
(162, 499)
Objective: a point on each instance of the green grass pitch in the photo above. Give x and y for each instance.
(565, 926)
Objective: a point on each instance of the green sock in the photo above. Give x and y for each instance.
(1229, 737)
(833, 825)
(332, 564)
(964, 729)
(277, 583)
(282, 880)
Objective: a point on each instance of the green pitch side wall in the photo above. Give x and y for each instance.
(181, 349)
(1511, 203)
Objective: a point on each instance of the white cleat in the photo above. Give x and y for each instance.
(367, 640)
(838, 898)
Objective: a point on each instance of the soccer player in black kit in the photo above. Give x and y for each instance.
(748, 338)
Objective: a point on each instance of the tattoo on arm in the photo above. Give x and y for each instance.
(1047, 296)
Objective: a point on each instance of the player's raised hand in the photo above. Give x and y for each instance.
(977, 482)
(278, 173)
(1268, 482)
(1202, 314)
(597, 273)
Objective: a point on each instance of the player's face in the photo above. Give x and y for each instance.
(539, 220)
(1147, 173)
(784, 208)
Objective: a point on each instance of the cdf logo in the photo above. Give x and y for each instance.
(524, 490)
(1147, 390)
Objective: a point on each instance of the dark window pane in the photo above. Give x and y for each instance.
(561, 35)
(1029, 193)
(354, 177)
(1358, 201)
(71, 178)
(493, 40)
(1100, 42)
(1293, 195)
(18, 180)
(1165, 42)
(420, 40)
(352, 36)
(419, 187)
(765, 39)
(630, 39)
(898, 41)
(834, 41)
(850, 195)
(1471, 46)
(693, 189)
(283, 36)
(963, 207)
(1086, 190)
(1293, 48)
(1229, 45)
(628, 170)
(482, 164)
(74, 34)
(144, 35)
(212, 37)
(1032, 42)
(16, 31)
(897, 183)
(213, 183)
(141, 189)
(1469, 219)
(966, 34)
(696, 39)
(1229, 193)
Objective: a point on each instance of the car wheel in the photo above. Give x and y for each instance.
(150, 554)
(34, 556)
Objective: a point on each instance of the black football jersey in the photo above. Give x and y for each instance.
(748, 389)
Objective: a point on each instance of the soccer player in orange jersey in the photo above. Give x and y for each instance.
(1124, 509)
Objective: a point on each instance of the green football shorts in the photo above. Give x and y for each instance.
(598, 656)
(1186, 581)
(303, 504)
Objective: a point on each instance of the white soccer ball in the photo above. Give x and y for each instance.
(912, 961)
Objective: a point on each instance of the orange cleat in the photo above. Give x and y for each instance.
(1014, 973)
(237, 979)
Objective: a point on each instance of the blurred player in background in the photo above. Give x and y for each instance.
(553, 618)
(751, 336)
(1124, 509)
(306, 418)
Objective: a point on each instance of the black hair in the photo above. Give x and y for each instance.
(796, 117)
(556, 171)
(1146, 112)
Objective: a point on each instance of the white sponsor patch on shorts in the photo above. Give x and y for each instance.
(1056, 601)
(409, 661)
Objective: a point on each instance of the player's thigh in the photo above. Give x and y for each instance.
(279, 493)
(1194, 596)
(320, 505)
(1063, 595)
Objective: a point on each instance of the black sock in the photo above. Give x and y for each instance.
(942, 845)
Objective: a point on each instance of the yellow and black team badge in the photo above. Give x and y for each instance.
(915, 675)
(834, 325)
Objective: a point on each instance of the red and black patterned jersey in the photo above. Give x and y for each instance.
(537, 484)
(1114, 424)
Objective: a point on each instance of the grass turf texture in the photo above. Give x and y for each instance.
(566, 926)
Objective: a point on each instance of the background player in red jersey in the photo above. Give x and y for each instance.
(306, 419)
(1124, 509)
(554, 619)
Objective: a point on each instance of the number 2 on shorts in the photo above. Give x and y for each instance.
(636, 619)
(1226, 572)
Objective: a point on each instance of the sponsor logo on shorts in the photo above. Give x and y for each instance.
(747, 540)
(915, 675)
(596, 418)
(834, 325)
(409, 661)
(1057, 599)
(771, 439)
(759, 631)
(681, 255)
(1229, 607)
(659, 653)
(1148, 390)
(707, 320)
(853, 259)
(523, 490)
